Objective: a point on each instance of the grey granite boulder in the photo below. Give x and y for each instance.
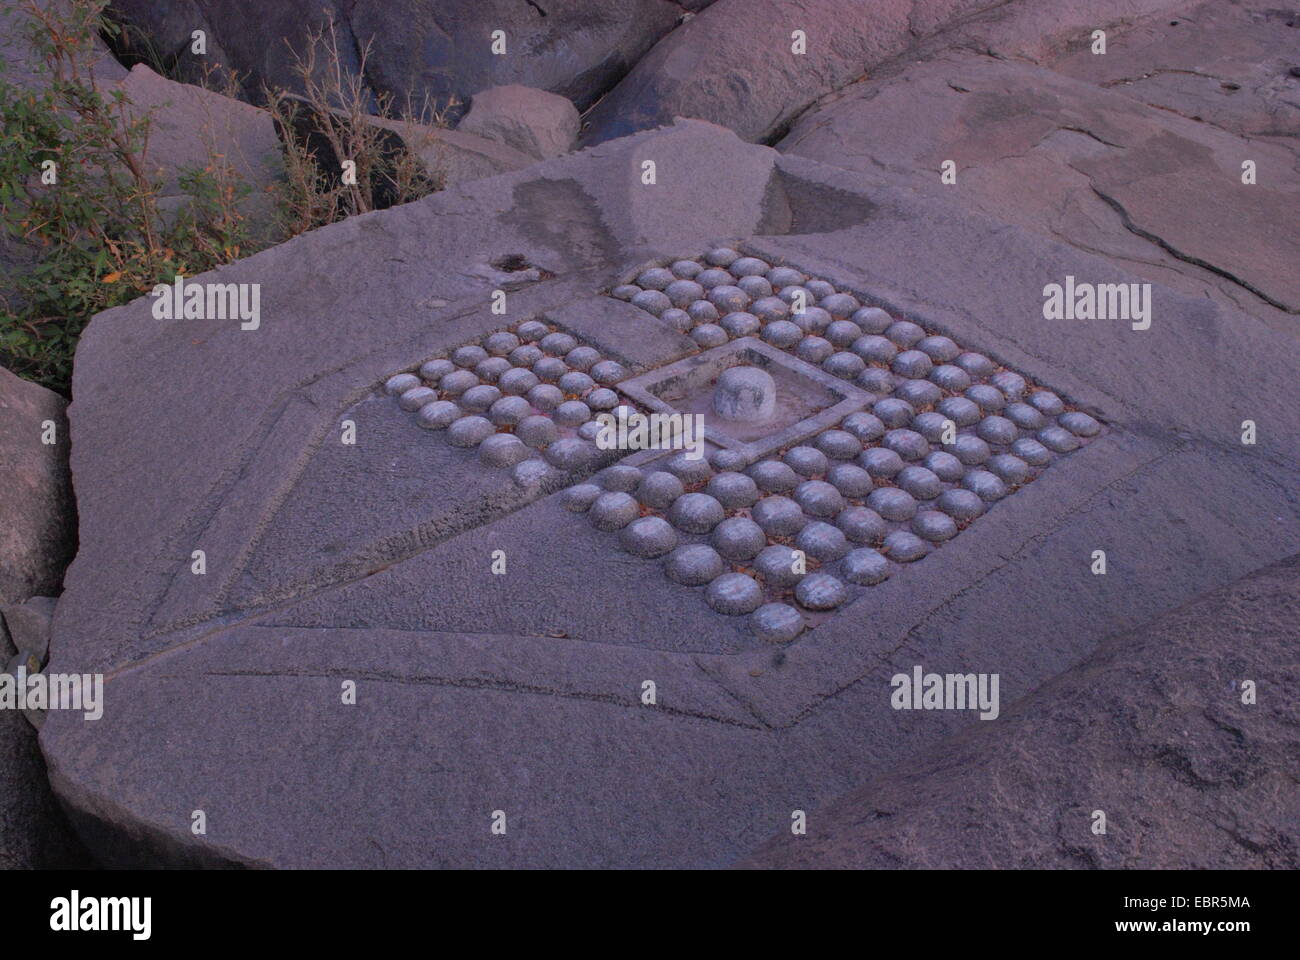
(536, 122)
(735, 62)
(23, 66)
(454, 156)
(189, 126)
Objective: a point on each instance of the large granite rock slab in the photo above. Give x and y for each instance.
(1151, 729)
(521, 691)
(1136, 155)
(37, 511)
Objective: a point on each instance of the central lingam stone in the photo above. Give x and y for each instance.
(753, 397)
(745, 394)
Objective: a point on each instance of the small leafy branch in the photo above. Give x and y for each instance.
(81, 210)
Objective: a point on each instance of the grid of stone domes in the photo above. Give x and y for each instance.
(879, 490)
(797, 535)
(526, 398)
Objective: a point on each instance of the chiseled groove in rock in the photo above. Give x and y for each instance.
(489, 683)
(392, 554)
(761, 721)
(885, 656)
(1187, 257)
(202, 517)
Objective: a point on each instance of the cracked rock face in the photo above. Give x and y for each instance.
(1136, 155)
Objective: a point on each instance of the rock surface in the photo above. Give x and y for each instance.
(735, 64)
(24, 66)
(449, 157)
(189, 126)
(328, 562)
(538, 123)
(454, 156)
(1136, 155)
(1151, 729)
(37, 513)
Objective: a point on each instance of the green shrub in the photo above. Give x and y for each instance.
(76, 192)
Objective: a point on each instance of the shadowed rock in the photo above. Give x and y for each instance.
(34, 834)
(37, 514)
(442, 48)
